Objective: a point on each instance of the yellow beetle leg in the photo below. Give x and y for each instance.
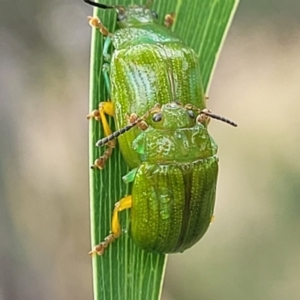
(105, 108)
(124, 203)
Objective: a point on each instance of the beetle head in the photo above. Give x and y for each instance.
(173, 116)
(132, 15)
(135, 15)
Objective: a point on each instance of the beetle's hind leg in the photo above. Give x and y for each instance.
(105, 108)
(124, 203)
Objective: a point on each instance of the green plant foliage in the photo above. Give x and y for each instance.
(125, 271)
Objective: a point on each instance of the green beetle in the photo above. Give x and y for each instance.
(149, 65)
(173, 192)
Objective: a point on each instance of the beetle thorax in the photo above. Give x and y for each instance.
(174, 136)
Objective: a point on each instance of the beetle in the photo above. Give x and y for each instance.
(173, 191)
(149, 64)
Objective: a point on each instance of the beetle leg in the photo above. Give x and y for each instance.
(106, 46)
(124, 203)
(105, 71)
(105, 108)
(133, 117)
(169, 20)
(95, 22)
(129, 177)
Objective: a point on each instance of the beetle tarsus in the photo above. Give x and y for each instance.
(100, 249)
(96, 22)
(94, 115)
(169, 20)
(100, 162)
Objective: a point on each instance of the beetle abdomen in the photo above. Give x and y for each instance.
(173, 204)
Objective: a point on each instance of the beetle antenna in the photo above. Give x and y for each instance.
(121, 131)
(217, 117)
(210, 114)
(115, 134)
(103, 6)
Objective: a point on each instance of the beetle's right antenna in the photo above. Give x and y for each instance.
(100, 5)
(217, 117)
(121, 131)
(208, 113)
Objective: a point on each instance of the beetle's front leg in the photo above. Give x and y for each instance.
(124, 203)
(105, 108)
(96, 22)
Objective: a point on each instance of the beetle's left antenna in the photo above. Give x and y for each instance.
(100, 5)
(115, 134)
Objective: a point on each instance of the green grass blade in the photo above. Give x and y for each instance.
(125, 272)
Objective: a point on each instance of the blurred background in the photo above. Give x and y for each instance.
(252, 250)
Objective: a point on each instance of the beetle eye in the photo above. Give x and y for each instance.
(154, 14)
(121, 15)
(191, 114)
(157, 117)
